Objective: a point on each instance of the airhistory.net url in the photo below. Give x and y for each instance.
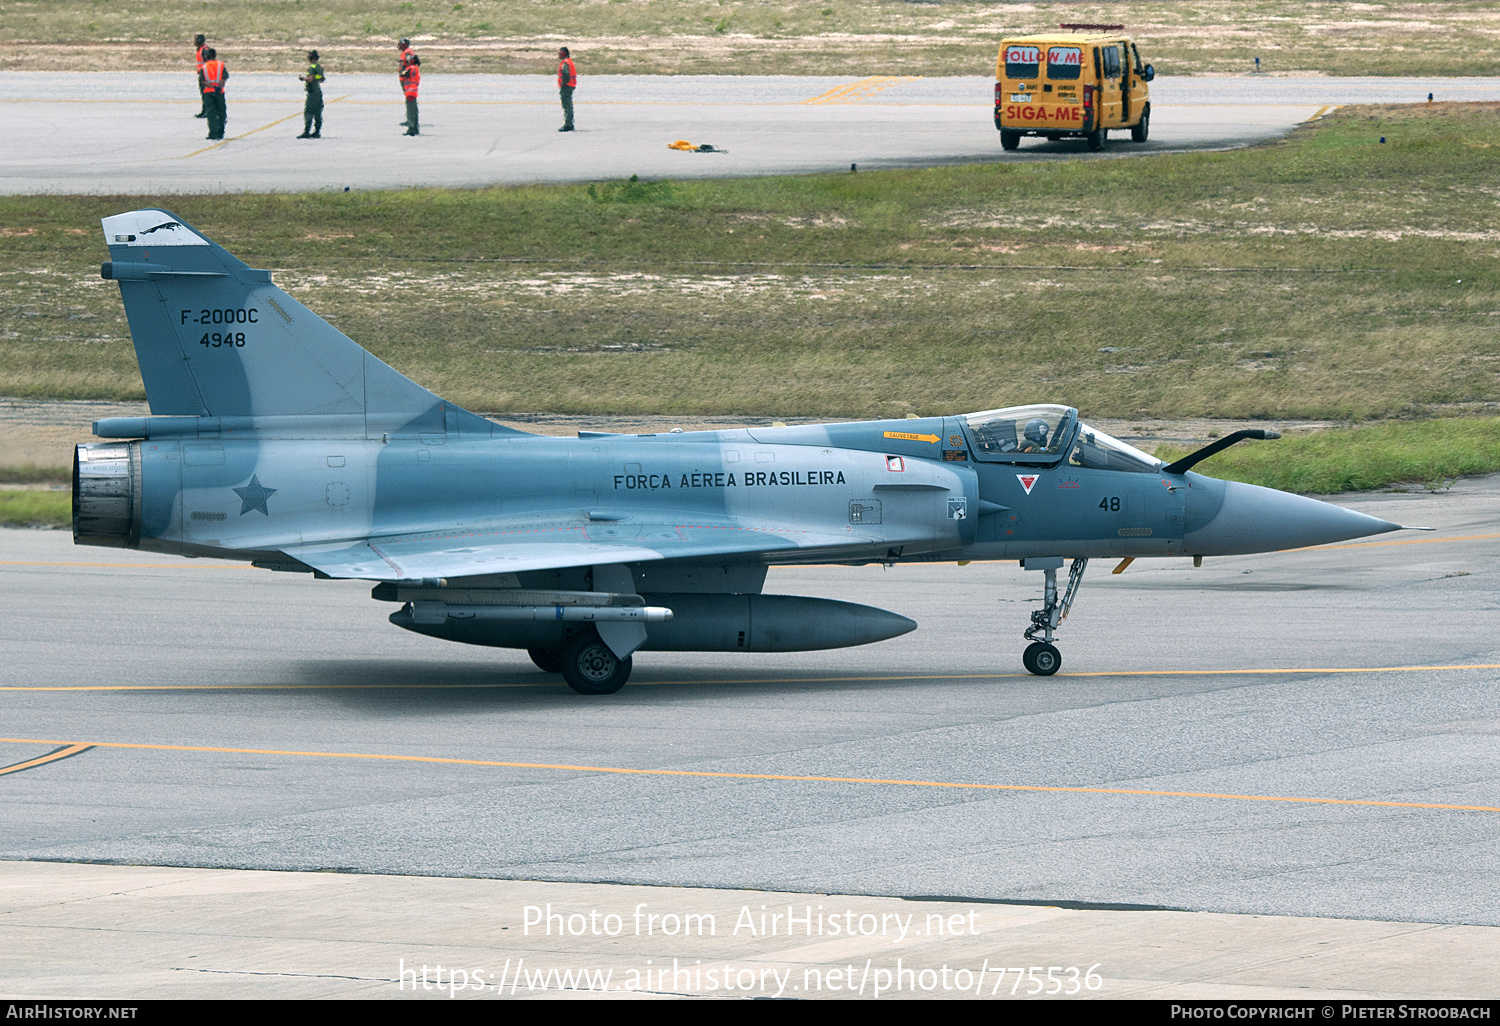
(697, 977)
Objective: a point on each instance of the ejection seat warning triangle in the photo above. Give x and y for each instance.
(1027, 480)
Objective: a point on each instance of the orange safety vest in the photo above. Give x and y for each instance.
(214, 74)
(198, 56)
(567, 74)
(411, 77)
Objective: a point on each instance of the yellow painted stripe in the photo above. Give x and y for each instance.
(186, 565)
(1279, 671)
(1404, 541)
(982, 104)
(838, 91)
(61, 753)
(132, 101)
(194, 564)
(252, 131)
(865, 87)
(788, 777)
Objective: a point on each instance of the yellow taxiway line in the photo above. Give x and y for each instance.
(242, 135)
(1274, 671)
(129, 566)
(42, 760)
(192, 565)
(1404, 541)
(785, 777)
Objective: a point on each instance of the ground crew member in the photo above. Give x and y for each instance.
(312, 107)
(411, 78)
(214, 77)
(567, 81)
(200, 42)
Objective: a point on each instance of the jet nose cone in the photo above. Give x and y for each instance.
(1255, 519)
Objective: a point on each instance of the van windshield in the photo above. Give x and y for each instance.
(1022, 61)
(1064, 62)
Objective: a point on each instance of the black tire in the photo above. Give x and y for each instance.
(547, 660)
(1041, 659)
(1009, 140)
(1142, 129)
(1097, 139)
(590, 668)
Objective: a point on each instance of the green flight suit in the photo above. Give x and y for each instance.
(312, 108)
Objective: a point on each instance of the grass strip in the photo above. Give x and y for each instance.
(1326, 277)
(1432, 454)
(838, 37)
(34, 507)
(27, 473)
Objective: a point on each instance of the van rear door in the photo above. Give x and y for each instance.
(1065, 66)
(1109, 62)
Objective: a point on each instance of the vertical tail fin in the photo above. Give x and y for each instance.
(214, 337)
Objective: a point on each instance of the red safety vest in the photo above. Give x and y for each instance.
(411, 77)
(198, 56)
(567, 75)
(214, 74)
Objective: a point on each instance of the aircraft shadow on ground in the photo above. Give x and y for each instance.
(415, 688)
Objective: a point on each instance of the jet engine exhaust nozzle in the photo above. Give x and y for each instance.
(107, 495)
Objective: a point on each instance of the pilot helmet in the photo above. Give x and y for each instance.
(1036, 432)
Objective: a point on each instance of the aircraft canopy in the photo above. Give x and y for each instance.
(1046, 432)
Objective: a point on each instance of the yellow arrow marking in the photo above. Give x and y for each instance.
(852, 92)
(909, 437)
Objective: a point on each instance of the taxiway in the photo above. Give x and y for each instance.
(1304, 733)
(134, 133)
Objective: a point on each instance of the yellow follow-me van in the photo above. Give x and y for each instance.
(1083, 81)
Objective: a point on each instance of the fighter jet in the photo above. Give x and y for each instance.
(275, 439)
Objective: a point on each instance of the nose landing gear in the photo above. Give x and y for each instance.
(1041, 656)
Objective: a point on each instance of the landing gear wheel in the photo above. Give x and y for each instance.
(1041, 659)
(1140, 131)
(548, 660)
(590, 668)
(1096, 139)
(1009, 140)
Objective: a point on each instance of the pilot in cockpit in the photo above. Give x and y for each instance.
(1034, 437)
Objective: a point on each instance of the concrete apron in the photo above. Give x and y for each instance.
(120, 932)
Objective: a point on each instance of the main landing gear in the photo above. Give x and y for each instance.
(586, 663)
(1041, 656)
